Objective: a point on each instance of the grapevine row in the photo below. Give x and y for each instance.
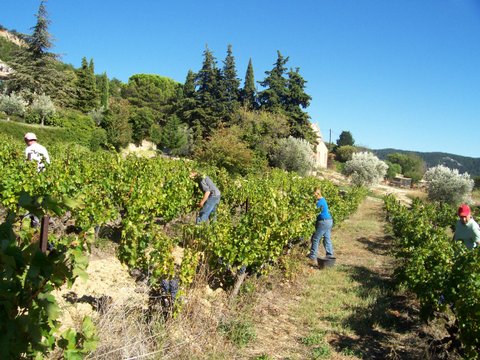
(442, 273)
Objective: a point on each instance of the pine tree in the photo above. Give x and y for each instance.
(249, 91)
(295, 101)
(207, 95)
(273, 97)
(230, 86)
(35, 67)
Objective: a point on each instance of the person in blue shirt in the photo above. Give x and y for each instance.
(323, 228)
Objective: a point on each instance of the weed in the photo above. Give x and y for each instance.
(315, 338)
(238, 331)
(321, 352)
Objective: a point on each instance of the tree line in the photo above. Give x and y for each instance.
(189, 119)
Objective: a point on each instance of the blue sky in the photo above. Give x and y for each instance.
(403, 74)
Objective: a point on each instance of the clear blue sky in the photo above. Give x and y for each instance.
(403, 74)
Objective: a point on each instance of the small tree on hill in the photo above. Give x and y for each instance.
(41, 109)
(365, 169)
(13, 104)
(447, 185)
(345, 139)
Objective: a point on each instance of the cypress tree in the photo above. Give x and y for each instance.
(249, 90)
(103, 89)
(86, 89)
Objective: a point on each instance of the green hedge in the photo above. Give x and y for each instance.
(83, 134)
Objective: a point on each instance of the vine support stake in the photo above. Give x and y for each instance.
(44, 233)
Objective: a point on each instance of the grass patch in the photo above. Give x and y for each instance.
(239, 331)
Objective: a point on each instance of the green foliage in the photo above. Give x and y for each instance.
(36, 69)
(153, 92)
(7, 49)
(276, 86)
(293, 154)
(261, 130)
(345, 139)
(393, 169)
(29, 312)
(13, 104)
(412, 165)
(155, 134)
(344, 153)
(42, 108)
(119, 130)
(77, 129)
(86, 87)
(176, 138)
(98, 139)
(248, 93)
(476, 180)
(436, 269)
(226, 150)
(240, 332)
(141, 120)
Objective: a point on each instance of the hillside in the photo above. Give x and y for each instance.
(462, 163)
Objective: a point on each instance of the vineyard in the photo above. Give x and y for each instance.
(442, 273)
(152, 203)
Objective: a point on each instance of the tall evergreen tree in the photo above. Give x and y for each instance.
(35, 67)
(207, 95)
(229, 86)
(186, 107)
(273, 97)
(295, 101)
(103, 89)
(249, 91)
(86, 87)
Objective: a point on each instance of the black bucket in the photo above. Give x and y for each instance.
(325, 262)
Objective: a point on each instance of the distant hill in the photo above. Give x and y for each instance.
(462, 163)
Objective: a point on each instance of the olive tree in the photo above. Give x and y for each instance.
(293, 154)
(448, 185)
(365, 169)
(13, 104)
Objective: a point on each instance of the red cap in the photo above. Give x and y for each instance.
(463, 210)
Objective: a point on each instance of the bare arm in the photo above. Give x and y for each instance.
(205, 197)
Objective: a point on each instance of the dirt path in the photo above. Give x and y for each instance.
(346, 312)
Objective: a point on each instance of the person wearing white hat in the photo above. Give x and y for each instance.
(35, 151)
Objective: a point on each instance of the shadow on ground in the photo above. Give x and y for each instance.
(388, 327)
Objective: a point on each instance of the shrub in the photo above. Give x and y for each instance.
(447, 185)
(365, 169)
(412, 165)
(41, 110)
(225, 150)
(344, 153)
(98, 139)
(393, 169)
(293, 155)
(13, 104)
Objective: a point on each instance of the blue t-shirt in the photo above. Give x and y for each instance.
(323, 206)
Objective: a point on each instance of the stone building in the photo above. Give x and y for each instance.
(321, 150)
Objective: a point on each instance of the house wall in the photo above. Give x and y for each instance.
(321, 150)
